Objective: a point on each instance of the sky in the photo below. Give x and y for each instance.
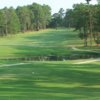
(54, 4)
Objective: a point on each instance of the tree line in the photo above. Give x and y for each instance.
(22, 19)
(84, 18)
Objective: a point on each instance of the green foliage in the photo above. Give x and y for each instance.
(47, 16)
(24, 15)
(86, 19)
(26, 18)
(9, 21)
(68, 19)
(13, 23)
(57, 19)
(42, 15)
(38, 15)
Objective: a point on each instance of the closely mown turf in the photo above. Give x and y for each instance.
(50, 81)
(47, 80)
(48, 42)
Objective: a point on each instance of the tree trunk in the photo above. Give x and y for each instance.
(85, 37)
(6, 30)
(91, 26)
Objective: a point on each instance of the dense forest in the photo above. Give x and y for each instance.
(26, 18)
(84, 18)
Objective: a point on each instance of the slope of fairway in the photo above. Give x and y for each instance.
(47, 42)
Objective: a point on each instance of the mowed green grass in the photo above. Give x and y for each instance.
(47, 42)
(50, 81)
(46, 80)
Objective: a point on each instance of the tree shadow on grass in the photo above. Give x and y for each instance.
(53, 38)
(51, 81)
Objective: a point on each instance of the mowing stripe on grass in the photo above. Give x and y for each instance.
(88, 61)
(76, 49)
(7, 65)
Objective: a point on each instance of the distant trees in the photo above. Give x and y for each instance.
(24, 15)
(86, 19)
(42, 15)
(9, 22)
(68, 19)
(38, 15)
(13, 21)
(3, 23)
(26, 18)
(81, 21)
(83, 17)
(47, 16)
(58, 19)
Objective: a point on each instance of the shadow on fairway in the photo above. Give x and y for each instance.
(50, 81)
